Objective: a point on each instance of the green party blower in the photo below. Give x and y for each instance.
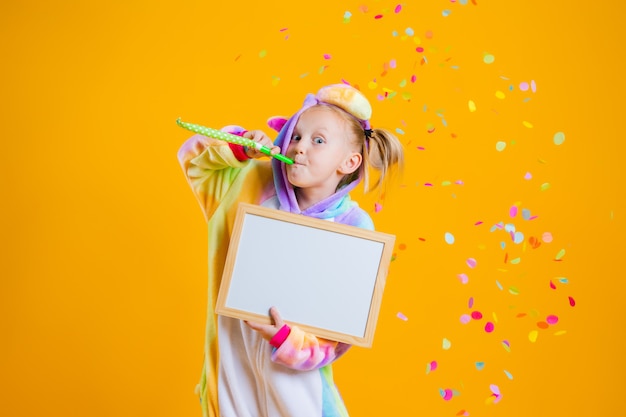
(228, 137)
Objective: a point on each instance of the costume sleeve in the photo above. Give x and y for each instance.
(210, 167)
(304, 351)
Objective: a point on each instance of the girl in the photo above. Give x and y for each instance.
(250, 369)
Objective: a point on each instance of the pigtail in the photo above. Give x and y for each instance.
(382, 152)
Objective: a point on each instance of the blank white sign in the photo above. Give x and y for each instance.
(323, 276)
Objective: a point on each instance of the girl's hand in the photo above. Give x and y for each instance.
(268, 330)
(263, 139)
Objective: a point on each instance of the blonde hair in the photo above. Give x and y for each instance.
(382, 151)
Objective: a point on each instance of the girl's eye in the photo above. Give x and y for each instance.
(295, 138)
(318, 140)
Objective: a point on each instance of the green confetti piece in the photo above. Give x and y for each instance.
(500, 146)
(545, 186)
(513, 290)
(560, 255)
(559, 138)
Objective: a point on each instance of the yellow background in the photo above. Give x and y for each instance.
(103, 262)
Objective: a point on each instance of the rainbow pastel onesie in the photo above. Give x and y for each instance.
(243, 375)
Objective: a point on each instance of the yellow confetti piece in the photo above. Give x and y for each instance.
(527, 124)
(490, 400)
(406, 96)
(560, 333)
(500, 95)
(495, 317)
(532, 336)
(417, 40)
(472, 106)
(275, 81)
(387, 90)
(263, 53)
(372, 85)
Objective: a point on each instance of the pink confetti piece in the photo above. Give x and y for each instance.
(398, 8)
(528, 176)
(470, 302)
(523, 86)
(446, 394)
(377, 207)
(489, 327)
(552, 319)
(463, 413)
(513, 211)
(419, 49)
(533, 86)
(392, 63)
(477, 315)
(552, 286)
(465, 318)
(547, 237)
(463, 278)
(478, 223)
(378, 16)
(471, 262)
(327, 56)
(432, 366)
(572, 302)
(495, 390)
(413, 78)
(402, 316)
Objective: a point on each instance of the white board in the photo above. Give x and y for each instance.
(325, 277)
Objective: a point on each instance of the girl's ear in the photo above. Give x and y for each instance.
(351, 163)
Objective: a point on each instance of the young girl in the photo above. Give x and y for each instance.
(251, 369)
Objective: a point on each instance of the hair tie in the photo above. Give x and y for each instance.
(368, 133)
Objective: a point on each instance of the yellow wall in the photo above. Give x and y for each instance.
(102, 288)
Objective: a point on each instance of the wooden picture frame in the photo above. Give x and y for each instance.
(325, 277)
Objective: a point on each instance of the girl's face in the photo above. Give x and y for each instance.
(322, 152)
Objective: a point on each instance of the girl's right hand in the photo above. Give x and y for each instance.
(260, 137)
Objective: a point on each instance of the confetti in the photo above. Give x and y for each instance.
(409, 31)
(552, 320)
(545, 186)
(470, 302)
(500, 95)
(508, 374)
(527, 124)
(489, 327)
(560, 255)
(480, 365)
(377, 207)
(477, 315)
(488, 58)
(446, 394)
(327, 56)
(513, 211)
(446, 344)
(398, 8)
(471, 262)
(547, 237)
(500, 146)
(430, 367)
(463, 278)
(572, 302)
(465, 318)
(402, 316)
(263, 53)
(446, 13)
(528, 176)
(559, 138)
(532, 336)
(449, 238)
(506, 345)
(472, 106)
(496, 393)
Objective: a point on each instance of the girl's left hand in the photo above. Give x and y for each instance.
(268, 330)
